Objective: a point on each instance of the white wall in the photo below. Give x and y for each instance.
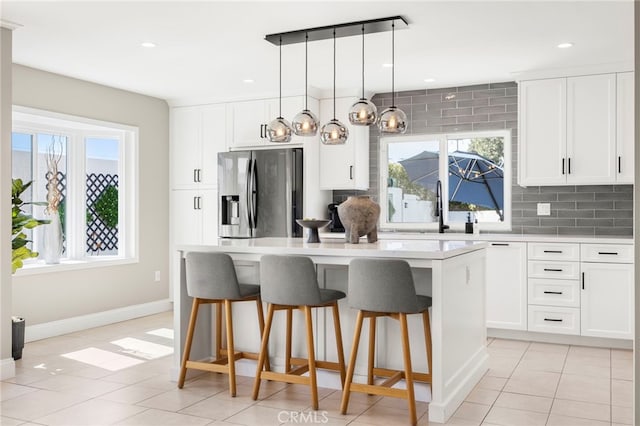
(59, 295)
(7, 366)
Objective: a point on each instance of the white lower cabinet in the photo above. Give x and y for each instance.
(506, 283)
(607, 300)
(554, 319)
(194, 216)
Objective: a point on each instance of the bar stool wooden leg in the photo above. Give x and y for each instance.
(312, 358)
(187, 343)
(352, 364)
(231, 357)
(339, 348)
(372, 349)
(263, 351)
(408, 372)
(427, 339)
(287, 355)
(218, 330)
(267, 365)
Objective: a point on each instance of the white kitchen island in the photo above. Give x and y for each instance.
(452, 272)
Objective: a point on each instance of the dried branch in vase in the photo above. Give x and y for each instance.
(54, 155)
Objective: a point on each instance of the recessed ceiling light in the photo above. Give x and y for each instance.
(147, 44)
(387, 65)
(565, 45)
(248, 80)
(429, 80)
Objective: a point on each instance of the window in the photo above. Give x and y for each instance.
(95, 179)
(474, 173)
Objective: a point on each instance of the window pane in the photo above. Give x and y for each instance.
(22, 168)
(102, 164)
(411, 184)
(476, 179)
(50, 181)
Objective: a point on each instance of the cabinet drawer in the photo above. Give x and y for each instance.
(554, 251)
(552, 319)
(606, 253)
(554, 270)
(554, 292)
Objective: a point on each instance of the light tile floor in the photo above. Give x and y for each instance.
(118, 375)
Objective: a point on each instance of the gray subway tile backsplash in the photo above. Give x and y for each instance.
(575, 210)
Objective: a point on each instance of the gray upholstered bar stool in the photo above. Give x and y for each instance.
(211, 279)
(288, 283)
(379, 288)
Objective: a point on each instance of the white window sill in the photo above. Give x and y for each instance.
(40, 267)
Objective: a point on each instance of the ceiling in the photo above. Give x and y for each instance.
(205, 49)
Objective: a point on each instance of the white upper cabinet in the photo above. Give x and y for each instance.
(248, 120)
(344, 166)
(197, 135)
(568, 132)
(591, 130)
(625, 122)
(543, 134)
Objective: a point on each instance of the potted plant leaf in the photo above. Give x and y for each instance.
(20, 251)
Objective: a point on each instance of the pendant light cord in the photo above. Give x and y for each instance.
(334, 73)
(306, 40)
(393, 64)
(280, 82)
(362, 61)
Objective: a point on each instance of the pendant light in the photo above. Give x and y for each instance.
(305, 123)
(279, 129)
(334, 132)
(363, 112)
(393, 119)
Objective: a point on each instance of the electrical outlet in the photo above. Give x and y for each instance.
(544, 209)
(157, 276)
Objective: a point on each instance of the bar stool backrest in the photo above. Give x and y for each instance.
(288, 280)
(211, 276)
(382, 285)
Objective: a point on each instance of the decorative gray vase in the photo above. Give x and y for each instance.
(359, 216)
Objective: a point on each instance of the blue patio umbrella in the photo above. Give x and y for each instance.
(473, 179)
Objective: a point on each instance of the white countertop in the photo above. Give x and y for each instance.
(406, 249)
(458, 236)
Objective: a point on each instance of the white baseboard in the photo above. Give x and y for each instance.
(98, 319)
(561, 339)
(7, 368)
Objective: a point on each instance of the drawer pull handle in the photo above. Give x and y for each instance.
(553, 319)
(552, 270)
(553, 251)
(614, 253)
(499, 244)
(552, 292)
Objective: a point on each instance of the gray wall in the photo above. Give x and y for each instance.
(66, 294)
(575, 210)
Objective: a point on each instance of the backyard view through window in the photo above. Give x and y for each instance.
(472, 170)
(91, 182)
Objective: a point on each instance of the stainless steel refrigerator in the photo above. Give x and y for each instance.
(260, 193)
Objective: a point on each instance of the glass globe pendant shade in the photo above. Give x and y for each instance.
(279, 130)
(305, 123)
(334, 133)
(363, 113)
(393, 120)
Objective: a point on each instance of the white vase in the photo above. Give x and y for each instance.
(53, 239)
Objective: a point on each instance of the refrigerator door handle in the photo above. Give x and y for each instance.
(248, 193)
(254, 193)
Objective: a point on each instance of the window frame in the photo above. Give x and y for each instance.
(443, 139)
(78, 130)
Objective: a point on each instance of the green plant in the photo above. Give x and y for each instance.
(19, 222)
(106, 206)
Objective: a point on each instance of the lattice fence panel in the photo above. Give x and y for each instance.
(62, 187)
(100, 238)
